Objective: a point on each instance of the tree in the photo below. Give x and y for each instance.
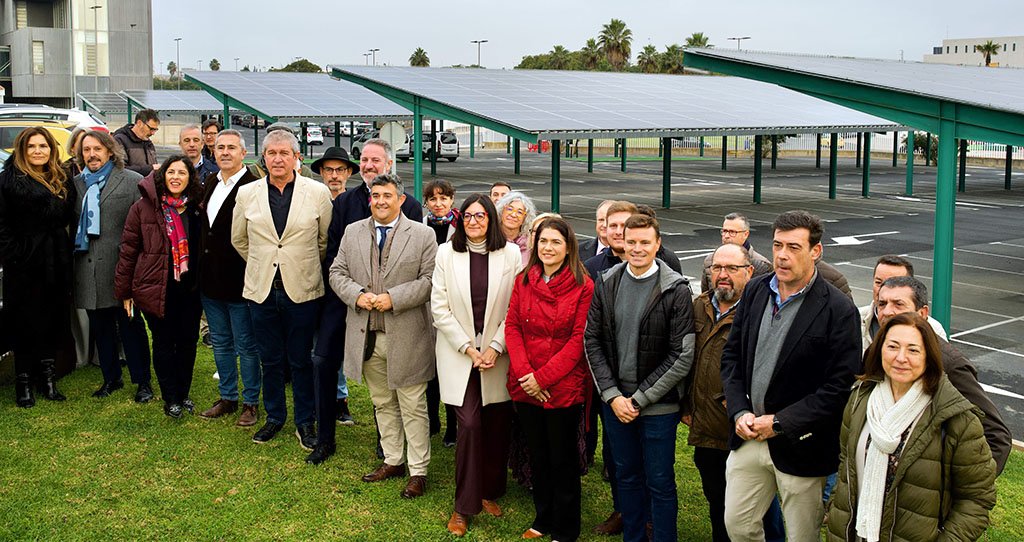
(215, 65)
(590, 54)
(697, 39)
(616, 41)
(300, 65)
(558, 58)
(246, 68)
(419, 58)
(648, 60)
(672, 59)
(172, 69)
(767, 143)
(922, 140)
(988, 49)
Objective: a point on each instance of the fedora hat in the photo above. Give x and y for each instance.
(334, 153)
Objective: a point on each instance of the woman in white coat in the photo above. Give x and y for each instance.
(472, 285)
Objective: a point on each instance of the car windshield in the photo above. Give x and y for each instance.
(449, 138)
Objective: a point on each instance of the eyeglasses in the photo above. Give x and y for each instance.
(151, 127)
(731, 269)
(732, 233)
(479, 217)
(336, 170)
(209, 134)
(515, 212)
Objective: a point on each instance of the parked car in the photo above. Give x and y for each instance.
(75, 117)
(446, 145)
(401, 153)
(60, 130)
(314, 135)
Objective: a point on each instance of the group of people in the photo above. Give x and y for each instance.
(525, 334)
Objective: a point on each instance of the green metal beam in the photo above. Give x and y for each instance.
(433, 147)
(1009, 167)
(910, 163)
(472, 141)
(556, 173)
(590, 156)
(757, 168)
(817, 151)
(351, 134)
(515, 154)
(229, 101)
(337, 134)
(701, 146)
(857, 159)
(833, 165)
(417, 147)
(666, 173)
(963, 166)
(865, 181)
(895, 146)
(303, 138)
(945, 219)
(131, 103)
(622, 156)
(725, 151)
(775, 150)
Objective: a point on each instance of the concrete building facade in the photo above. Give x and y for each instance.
(52, 49)
(964, 51)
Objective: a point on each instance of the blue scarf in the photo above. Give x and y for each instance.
(89, 222)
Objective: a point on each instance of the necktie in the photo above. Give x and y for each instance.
(383, 239)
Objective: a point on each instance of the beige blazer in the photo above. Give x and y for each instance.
(451, 305)
(298, 252)
(406, 277)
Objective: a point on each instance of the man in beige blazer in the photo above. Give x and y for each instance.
(279, 227)
(383, 273)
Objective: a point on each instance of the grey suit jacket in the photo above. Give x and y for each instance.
(94, 270)
(407, 277)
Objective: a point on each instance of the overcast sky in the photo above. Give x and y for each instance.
(264, 33)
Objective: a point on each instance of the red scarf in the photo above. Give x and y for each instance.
(176, 233)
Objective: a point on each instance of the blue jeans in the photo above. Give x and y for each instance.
(644, 452)
(284, 333)
(232, 337)
(830, 484)
(342, 383)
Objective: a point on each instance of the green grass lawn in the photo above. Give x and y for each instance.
(109, 469)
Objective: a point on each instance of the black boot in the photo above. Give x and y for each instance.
(48, 383)
(23, 391)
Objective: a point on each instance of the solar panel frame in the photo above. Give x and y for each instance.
(176, 101)
(105, 103)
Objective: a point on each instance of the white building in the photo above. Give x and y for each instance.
(964, 51)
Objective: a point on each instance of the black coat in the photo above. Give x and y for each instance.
(811, 383)
(608, 259)
(588, 249)
(351, 206)
(223, 273)
(140, 154)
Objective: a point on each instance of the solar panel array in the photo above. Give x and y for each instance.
(105, 103)
(995, 88)
(301, 96)
(580, 104)
(176, 101)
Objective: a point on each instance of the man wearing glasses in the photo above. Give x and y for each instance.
(140, 153)
(736, 231)
(210, 130)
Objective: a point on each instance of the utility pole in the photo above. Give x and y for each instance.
(374, 53)
(478, 42)
(739, 40)
(96, 44)
(177, 61)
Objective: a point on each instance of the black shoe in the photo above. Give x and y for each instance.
(449, 438)
(23, 391)
(344, 416)
(107, 388)
(188, 405)
(48, 382)
(173, 410)
(144, 394)
(206, 340)
(307, 436)
(320, 454)
(267, 432)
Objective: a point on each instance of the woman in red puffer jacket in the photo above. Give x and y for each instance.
(548, 376)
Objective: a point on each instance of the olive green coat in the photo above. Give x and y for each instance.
(944, 485)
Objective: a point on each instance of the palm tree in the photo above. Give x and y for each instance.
(214, 65)
(591, 54)
(615, 39)
(172, 69)
(419, 58)
(697, 39)
(558, 58)
(988, 49)
(672, 59)
(648, 59)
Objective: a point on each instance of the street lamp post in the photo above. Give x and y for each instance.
(236, 63)
(366, 58)
(199, 65)
(96, 45)
(738, 40)
(177, 60)
(478, 43)
(374, 53)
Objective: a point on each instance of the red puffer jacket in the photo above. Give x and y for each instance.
(544, 336)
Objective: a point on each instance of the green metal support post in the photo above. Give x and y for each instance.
(945, 212)
(472, 141)
(910, 163)
(615, 144)
(817, 152)
(661, 148)
(227, 115)
(895, 146)
(540, 146)
(256, 137)
(757, 169)
(927, 148)
(701, 147)
(725, 150)
(515, 154)
(963, 166)
(508, 144)
(590, 156)
(417, 147)
(337, 133)
(833, 165)
(351, 134)
(857, 160)
(433, 147)
(666, 173)
(622, 156)
(1009, 167)
(775, 150)
(865, 180)
(304, 141)
(556, 173)
(129, 111)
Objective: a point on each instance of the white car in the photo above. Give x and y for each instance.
(82, 119)
(314, 135)
(401, 153)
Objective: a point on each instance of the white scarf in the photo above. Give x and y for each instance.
(886, 422)
(479, 248)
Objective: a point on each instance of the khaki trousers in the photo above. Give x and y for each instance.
(401, 413)
(751, 481)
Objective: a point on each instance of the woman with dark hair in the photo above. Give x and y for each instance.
(443, 218)
(36, 209)
(908, 432)
(71, 166)
(548, 377)
(472, 285)
(157, 273)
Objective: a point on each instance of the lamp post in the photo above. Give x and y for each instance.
(96, 44)
(739, 40)
(236, 63)
(366, 58)
(177, 60)
(374, 53)
(199, 65)
(478, 43)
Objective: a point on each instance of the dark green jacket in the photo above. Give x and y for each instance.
(944, 485)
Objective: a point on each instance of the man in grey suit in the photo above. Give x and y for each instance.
(105, 192)
(383, 274)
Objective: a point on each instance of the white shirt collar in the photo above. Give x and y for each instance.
(652, 270)
(232, 179)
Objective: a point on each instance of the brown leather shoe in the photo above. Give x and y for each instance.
(532, 533)
(457, 524)
(610, 526)
(385, 471)
(220, 408)
(492, 508)
(415, 487)
(250, 415)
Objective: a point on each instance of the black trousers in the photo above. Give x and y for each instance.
(433, 403)
(37, 316)
(174, 344)
(551, 435)
(325, 393)
(110, 325)
(710, 463)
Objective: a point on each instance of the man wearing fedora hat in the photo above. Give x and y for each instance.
(335, 167)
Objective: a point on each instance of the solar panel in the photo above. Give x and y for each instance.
(580, 104)
(176, 101)
(105, 103)
(301, 96)
(995, 88)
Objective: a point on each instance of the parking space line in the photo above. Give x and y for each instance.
(987, 253)
(971, 266)
(920, 276)
(1006, 244)
(989, 326)
(984, 347)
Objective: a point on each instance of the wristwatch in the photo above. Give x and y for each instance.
(776, 426)
(636, 405)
